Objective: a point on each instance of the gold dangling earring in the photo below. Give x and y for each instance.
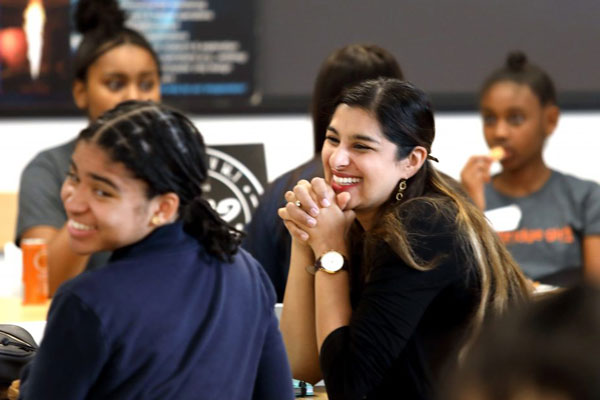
(401, 189)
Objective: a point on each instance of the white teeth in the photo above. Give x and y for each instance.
(79, 226)
(345, 181)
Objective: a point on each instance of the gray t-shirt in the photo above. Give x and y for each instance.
(39, 194)
(554, 221)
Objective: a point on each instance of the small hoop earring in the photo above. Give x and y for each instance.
(401, 189)
(156, 220)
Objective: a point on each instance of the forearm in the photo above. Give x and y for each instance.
(591, 259)
(332, 301)
(298, 317)
(63, 263)
(473, 177)
(332, 291)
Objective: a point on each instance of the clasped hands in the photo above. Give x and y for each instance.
(322, 218)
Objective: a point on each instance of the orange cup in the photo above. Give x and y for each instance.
(35, 271)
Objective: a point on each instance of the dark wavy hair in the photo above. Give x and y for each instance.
(163, 148)
(102, 24)
(342, 69)
(519, 70)
(405, 117)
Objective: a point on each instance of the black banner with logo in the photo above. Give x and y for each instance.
(237, 178)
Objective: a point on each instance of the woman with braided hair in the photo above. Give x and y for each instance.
(112, 64)
(178, 312)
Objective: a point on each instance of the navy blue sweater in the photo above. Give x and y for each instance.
(163, 320)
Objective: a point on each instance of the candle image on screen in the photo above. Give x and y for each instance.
(35, 19)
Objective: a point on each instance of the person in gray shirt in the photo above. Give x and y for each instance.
(112, 64)
(556, 233)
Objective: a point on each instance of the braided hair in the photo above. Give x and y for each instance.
(162, 147)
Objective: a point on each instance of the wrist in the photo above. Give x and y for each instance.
(330, 262)
(323, 248)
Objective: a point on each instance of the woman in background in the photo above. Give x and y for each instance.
(178, 312)
(112, 64)
(558, 234)
(406, 269)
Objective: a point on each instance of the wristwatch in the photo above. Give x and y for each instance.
(330, 262)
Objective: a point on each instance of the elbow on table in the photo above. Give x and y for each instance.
(306, 373)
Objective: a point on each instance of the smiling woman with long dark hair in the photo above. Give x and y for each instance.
(403, 268)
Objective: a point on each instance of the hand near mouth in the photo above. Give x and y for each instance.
(474, 175)
(307, 204)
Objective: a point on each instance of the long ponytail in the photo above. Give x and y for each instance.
(218, 237)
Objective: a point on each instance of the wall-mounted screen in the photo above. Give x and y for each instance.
(205, 48)
(256, 56)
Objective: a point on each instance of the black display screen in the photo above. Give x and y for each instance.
(205, 48)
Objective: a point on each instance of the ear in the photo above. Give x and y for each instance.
(80, 94)
(551, 114)
(415, 160)
(164, 209)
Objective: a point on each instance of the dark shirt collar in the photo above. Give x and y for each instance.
(159, 240)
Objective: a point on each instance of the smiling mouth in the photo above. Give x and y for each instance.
(345, 181)
(79, 226)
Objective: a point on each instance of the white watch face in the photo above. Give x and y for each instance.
(332, 261)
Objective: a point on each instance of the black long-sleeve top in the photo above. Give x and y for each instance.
(407, 325)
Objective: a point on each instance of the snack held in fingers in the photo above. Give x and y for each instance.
(497, 153)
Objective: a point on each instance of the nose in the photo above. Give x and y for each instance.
(339, 159)
(132, 92)
(501, 130)
(74, 200)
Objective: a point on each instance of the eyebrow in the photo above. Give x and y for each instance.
(120, 74)
(511, 109)
(104, 180)
(99, 178)
(356, 136)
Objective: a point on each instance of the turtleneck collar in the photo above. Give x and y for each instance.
(159, 240)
